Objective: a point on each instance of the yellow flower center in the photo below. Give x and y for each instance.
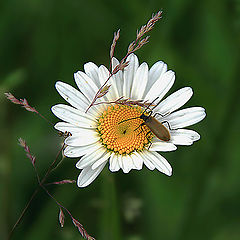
(120, 136)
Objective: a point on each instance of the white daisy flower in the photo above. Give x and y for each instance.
(105, 133)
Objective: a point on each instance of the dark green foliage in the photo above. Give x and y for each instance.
(42, 41)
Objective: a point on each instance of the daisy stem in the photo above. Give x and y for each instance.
(40, 183)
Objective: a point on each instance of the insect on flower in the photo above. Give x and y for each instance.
(156, 127)
(105, 133)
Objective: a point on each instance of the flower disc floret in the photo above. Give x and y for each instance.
(122, 134)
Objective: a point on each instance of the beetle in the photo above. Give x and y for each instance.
(156, 127)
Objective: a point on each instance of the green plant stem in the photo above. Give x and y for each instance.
(23, 212)
(34, 193)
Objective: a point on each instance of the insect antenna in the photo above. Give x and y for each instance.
(128, 119)
(154, 101)
(150, 105)
(142, 113)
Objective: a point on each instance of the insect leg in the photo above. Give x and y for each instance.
(149, 141)
(140, 126)
(167, 124)
(162, 115)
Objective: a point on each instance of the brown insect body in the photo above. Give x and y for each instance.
(157, 128)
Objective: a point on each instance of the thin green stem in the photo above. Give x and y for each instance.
(40, 183)
(23, 212)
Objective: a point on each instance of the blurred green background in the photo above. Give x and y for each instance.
(43, 41)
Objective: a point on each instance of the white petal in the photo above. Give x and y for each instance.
(75, 98)
(115, 89)
(118, 78)
(73, 152)
(67, 127)
(184, 136)
(73, 116)
(90, 158)
(146, 161)
(72, 95)
(139, 82)
(88, 175)
(174, 101)
(161, 86)
(155, 72)
(127, 163)
(114, 166)
(185, 117)
(103, 76)
(137, 160)
(162, 146)
(103, 159)
(91, 69)
(86, 85)
(129, 73)
(83, 138)
(160, 163)
(120, 162)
